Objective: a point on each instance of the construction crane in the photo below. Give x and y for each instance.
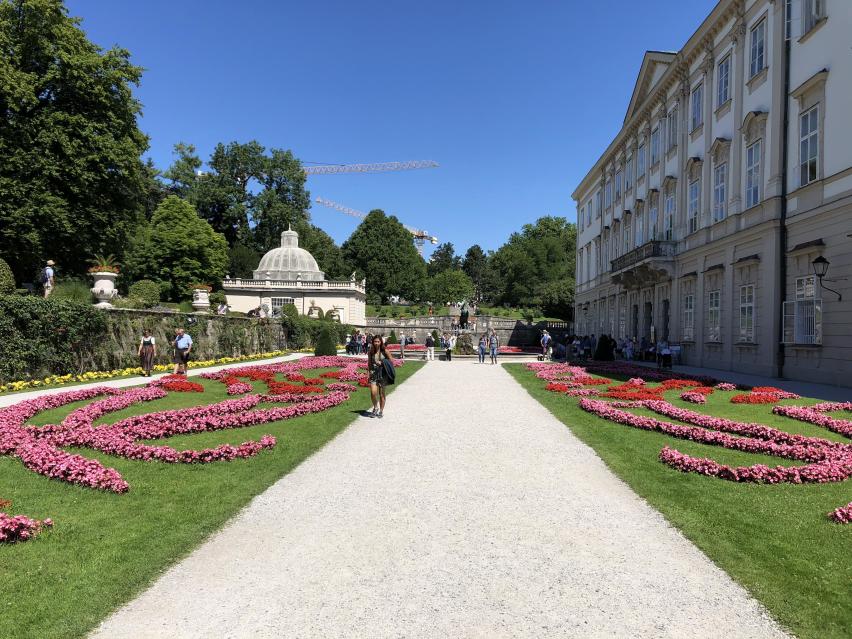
(420, 237)
(330, 169)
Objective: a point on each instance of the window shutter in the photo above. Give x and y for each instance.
(789, 332)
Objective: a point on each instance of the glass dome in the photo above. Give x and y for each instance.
(288, 262)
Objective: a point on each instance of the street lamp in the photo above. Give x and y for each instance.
(821, 265)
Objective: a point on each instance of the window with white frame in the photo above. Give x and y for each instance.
(714, 316)
(694, 205)
(788, 19)
(598, 201)
(723, 81)
(640, 161)
(747, 313)
(809, 146)
(655, 145)
(672, 129)
(757, 57)
(278, 303)
(580, 217)
(803, 316)
(652, 222)
(580, 274)
(588, 214)
(588, 262)
(605, 249)
(812, 12)
(589, 206)
(639, 231)
(753, 174)
(608, 194)
(617, 184)
(720, 190)
(688, 328)
(697, 110)
(668, 217)
(628, 174)
(626, 233)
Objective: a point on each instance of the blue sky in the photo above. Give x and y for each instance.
(515, 100)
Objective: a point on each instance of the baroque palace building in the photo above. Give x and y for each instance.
(732, 173)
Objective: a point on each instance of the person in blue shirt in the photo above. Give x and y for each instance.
(183, 346)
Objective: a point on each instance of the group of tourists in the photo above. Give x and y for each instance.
(356, 343)
(181, 348)
(606, 348)
(490, 343)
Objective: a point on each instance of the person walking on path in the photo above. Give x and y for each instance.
(493, 345)
(545, 344)
(483, 345)
(449, 344)
(402, 339)
(147, 352)
(430, 348)
(183, 346)
(377, 375)
(48, 278)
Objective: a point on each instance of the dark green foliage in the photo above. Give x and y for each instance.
(242, 260)
(177, 249)
(249, 196)
(557, 299)
(7, 280)
(392, 338)
(71, 179)
(40, 336)
(443, 258)
(328, 255)
(382, 250)
(302, 331)
(218, 297)
(475, 264)
(145, 292)
(327, 342)
(450, 286)
(541, 253)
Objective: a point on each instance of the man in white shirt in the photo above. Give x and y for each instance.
(47, 278)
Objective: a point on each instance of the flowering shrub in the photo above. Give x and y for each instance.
(41, 449)
(725, 386)
(177, 383)
(824, 460)
(20, 528)
(694, 397)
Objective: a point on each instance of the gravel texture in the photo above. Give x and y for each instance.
(468, 511)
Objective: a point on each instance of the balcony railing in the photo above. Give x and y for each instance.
(654, 248)
(305, 284)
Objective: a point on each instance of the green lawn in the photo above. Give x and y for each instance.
(774, 540)
(105, 548)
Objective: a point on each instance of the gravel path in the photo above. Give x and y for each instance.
(468, 511)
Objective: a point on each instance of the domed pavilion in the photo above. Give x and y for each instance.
(288, 274)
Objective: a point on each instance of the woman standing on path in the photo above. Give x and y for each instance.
(483, 343)
(494, 344)
(147, 352)
(377, 376)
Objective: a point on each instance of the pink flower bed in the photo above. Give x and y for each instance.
(14, 528)
(814, 415)
(824, 460)
(40, 449)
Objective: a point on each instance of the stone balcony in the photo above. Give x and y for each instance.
(305, 285)
(649, 264)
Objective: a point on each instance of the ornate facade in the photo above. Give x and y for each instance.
(732, 173)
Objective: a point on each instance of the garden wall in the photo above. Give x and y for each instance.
(39, 337)
(511, 332)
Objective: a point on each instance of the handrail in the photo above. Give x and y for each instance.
(654, 248)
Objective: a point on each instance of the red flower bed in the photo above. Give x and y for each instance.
(178, 384)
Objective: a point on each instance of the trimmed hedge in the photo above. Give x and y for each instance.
(7, 279)
(327, 342)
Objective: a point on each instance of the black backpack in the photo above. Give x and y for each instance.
(43, 278)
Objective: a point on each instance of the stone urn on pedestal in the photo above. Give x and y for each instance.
(104, 288)
(201, 299)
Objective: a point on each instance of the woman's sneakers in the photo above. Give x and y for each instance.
(379, 414)
(375, 413)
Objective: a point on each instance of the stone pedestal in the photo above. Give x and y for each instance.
(201, 300)
(104, 288)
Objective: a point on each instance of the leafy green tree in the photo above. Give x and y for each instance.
(145, 292)
(328, 255)
(541, 253)
(475, 265)
(282, 201)
(177, 249)
(242, 260)
(443, 258)
(450, 286)
(557, 299)
(381, 250)
(71, 179)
